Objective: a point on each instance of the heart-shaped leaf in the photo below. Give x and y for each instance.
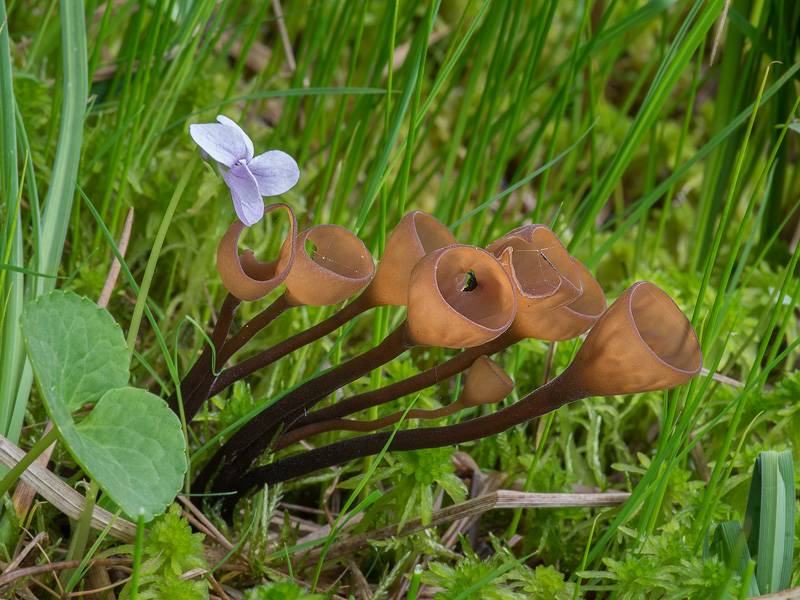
(131, 443)
(77, 349)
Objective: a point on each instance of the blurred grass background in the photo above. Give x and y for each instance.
(666, 166)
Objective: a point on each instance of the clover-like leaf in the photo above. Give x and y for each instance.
(77, 349)
(131, 443)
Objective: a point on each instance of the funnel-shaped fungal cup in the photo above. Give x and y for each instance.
(540, 267)
(459, 297)
(486, 383)
(416, 235)
(566, 322)
(642, 343)
(244, 275)
(338, 267)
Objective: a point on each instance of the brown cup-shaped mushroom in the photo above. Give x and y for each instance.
(642, 343)
(245, 276)
(566, 322)
(341, 266)
(486, 383)
(416, 235)
(543, 274)
(459, 297)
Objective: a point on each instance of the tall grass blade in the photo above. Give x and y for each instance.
(11, 290)
(58, 203)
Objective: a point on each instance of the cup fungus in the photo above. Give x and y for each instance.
(565, 322)
(543, 274)
(247, 279)
(341, 266)
(416, 235)
(459, 297)
(556, 324)
(244, 275)
(643, 342)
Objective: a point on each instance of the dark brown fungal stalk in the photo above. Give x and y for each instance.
(246, 279)
(486, 383)
(342, 270)
(643, 342)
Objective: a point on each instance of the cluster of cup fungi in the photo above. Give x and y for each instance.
(523, 285)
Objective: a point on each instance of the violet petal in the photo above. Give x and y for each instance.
(275, 171)
(249, 213)
(247, 141)
(222, 143)
(244, 191)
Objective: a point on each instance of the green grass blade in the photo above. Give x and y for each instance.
(65, 168)
(58, 204)
(11, 292)
(732, 545)
(672, 67)
(639, 208)
(356, 491)
(786, 475)
(769, 519)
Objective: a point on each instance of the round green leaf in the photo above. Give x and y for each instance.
(77, 350)
(132, 445)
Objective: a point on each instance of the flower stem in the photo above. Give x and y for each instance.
(150, 269)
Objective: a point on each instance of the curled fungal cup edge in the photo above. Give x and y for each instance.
(243, 275)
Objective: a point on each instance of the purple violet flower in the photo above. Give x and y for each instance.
(249, 178)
